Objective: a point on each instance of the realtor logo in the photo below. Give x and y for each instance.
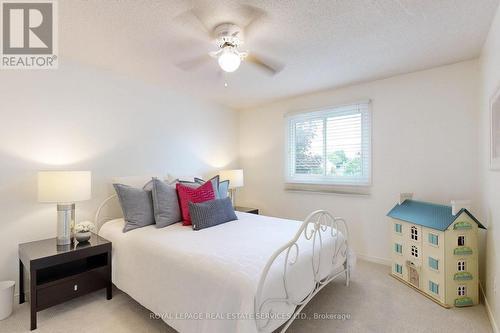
(29, 34)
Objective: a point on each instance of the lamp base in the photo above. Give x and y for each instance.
(65, 223)
(232, 195)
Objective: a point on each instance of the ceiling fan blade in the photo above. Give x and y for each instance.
(194, 63)
(269, 67)
(197, 14)
(193, 17)
(255, 15)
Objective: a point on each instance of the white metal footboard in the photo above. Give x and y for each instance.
(316, 226)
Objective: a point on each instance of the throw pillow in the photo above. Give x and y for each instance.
(188, 194)
(220, 188)
(165, 204)
(137, 206)
(211, 213)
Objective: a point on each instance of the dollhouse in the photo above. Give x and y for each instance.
(435, 250)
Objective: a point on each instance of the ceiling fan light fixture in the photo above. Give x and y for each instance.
(229, 60)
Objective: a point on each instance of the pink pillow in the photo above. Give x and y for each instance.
(188, 194)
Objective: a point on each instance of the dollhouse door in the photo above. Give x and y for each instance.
(413, 276)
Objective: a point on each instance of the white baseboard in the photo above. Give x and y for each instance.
(488, 311)
(377, 260)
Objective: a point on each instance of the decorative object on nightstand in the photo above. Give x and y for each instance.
(57, 275)
(83, 231)
(246, 210)
(64, 188)
(435, 250)
(236, 181)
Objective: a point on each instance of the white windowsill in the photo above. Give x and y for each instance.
(363, 190)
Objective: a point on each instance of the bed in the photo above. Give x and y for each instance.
(251, 275)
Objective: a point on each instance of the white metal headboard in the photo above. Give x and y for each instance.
(98, 220)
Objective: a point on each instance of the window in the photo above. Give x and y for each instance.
(398, 248)
(397, 228)
(331, 146)
(433, 239)
(461, 265)
(414, 251)
(433, 287)
(461, 240)
(414, 233)
(461, 291)
(433, 263)
(398, 268)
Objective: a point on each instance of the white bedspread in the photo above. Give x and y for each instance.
(205, 281)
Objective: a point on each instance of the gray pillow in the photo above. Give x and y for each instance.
(137, 206)
(211, 213)
(165, 204)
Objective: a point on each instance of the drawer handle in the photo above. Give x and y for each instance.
(75, 287)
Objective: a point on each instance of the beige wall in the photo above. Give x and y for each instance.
(424, 139)
(490, 180)
(82, 118)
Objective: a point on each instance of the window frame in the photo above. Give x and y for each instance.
(462, 290)
(433, 236)
(433, 260)
(400, 270)
(398, 226)
(414, 251)
(458, 240)
(461, 265)
(399, 247)
(414, 233)
(433, 285)
(321, 182)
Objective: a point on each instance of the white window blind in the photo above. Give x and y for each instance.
(331, 146)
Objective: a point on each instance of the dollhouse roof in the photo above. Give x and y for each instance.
(427, 214)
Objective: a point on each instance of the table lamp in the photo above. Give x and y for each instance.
(64, 188)
(235, 178)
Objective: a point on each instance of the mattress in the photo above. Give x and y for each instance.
(205, 281)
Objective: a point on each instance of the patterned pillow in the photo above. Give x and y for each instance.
(188, 194)
(220, 188)
(211, 213)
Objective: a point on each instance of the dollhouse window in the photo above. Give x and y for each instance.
(398, 248)
(461, 291)
(414, 233)
(398, 268)
(461, 240)
(433, 239)
(414, 251)
(433, 263)
(434, 287)
(397, 228)
(461, 265)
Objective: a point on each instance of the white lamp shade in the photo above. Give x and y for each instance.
(235, 177)
(64, 186)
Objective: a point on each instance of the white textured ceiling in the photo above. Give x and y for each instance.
(324, 43)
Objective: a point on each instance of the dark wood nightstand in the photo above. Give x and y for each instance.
(57, 274)
(246, 210)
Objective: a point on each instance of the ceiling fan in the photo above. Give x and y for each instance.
(229, 38)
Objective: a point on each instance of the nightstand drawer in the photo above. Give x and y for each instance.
(60, 291)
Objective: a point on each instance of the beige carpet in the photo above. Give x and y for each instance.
(375, 302)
